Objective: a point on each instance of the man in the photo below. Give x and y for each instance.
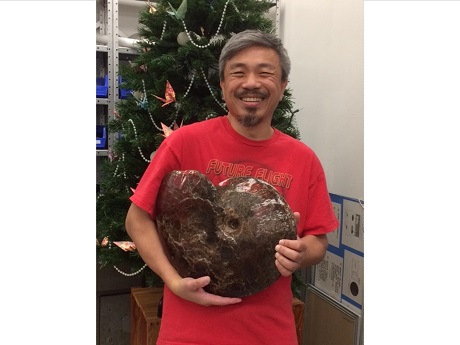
(254, 69)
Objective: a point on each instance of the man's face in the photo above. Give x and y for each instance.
(252, 86)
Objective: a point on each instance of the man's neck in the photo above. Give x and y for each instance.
(261, 131)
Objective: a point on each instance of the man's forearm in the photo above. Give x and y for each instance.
(316, 249)
(144, 234)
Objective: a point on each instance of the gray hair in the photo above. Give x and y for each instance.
(250, 38)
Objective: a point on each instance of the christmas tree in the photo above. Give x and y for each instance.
(174, 81)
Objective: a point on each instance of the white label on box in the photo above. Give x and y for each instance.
(98, 141)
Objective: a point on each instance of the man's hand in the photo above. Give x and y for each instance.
(290, 254)
(192, 290)
(303, 252)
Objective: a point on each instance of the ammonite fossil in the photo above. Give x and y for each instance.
(228, 232)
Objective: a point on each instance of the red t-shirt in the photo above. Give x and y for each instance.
(215, 149)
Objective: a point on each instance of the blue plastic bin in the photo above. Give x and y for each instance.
(122, 93)
(101, 137)
(102, 87)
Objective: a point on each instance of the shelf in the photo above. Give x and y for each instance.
(102, 153)
(101, 48)
(103, 101)
(125, 50)
(134, 3)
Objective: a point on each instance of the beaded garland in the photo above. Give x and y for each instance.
(135, 134)
(217, 32)
(130, 274)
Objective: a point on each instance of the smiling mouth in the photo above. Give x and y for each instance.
(251, 99)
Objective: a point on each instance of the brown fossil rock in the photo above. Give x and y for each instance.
(228, 232)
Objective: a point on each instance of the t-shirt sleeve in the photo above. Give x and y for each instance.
(163, 161)
(320, 218)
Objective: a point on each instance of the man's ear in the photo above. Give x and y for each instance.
(283, 87)
(222, 90)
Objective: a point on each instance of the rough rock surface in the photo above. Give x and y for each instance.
(228, 232)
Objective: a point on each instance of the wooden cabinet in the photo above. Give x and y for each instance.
(145, 323)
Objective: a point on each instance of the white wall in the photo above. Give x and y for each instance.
(324, 39)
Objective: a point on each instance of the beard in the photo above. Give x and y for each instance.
(249, 119)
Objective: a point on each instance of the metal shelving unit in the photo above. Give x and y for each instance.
(106, 61)
(108, 52)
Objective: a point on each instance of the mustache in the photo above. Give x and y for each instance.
(254, 94)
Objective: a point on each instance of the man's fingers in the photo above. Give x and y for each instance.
(196, 293)
(297, 217)
(199, 282)
(296, 245)
(221, 301)
(288, 248)
(283, 270)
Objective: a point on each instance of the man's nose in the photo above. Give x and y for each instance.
(252, 81)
